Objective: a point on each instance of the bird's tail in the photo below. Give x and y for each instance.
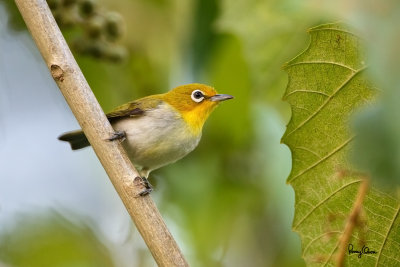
(77, 139)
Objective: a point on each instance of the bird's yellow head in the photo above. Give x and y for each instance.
(194, 102)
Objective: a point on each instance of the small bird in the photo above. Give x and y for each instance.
(160, 129)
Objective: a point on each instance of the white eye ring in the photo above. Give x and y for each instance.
(197, 96)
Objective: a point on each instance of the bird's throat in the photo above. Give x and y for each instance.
(196, 118)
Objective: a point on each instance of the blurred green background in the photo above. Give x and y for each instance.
(226, 203)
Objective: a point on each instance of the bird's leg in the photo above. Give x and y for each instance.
(148, 187)
(118, 135)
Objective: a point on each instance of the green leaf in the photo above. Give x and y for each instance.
(327, 84)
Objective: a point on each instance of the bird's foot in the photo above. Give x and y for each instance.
(148, 187)
(118, 135)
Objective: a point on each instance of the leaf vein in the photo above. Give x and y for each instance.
(386, 195)
(326, 101)
(322, 159)
(308, 150)
(302, 108)
(376, 214)
(333, 251)
(378, 233)
(318, 237)
(387, 234)
(391, 257)
(323, 201)
(321, 62)
(305, 202)
(380, 204)
(307, 91)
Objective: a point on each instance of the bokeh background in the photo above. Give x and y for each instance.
(227, 203)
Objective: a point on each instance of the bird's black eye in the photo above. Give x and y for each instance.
(197, 96)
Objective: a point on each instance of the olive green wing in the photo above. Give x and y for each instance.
(135, 108)
(78, 140)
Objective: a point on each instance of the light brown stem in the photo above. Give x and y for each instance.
(352, 221)
(94, 123)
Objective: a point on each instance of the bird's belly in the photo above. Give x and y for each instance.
(153, 142)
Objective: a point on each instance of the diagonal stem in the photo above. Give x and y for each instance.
(352, 221)
(96, 127)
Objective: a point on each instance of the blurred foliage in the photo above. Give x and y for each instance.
(378, 127)
(50, 239)
(202, 35)
(91, 30)
(228, 197)
(270, 31)
(15, 22)
(232, 208)
(327, 84)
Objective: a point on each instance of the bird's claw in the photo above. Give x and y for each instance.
(145, 192)
(118, 135)
(148, 187)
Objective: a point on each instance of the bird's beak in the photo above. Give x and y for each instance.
(221, 97)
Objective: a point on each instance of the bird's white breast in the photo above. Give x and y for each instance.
(157, 138)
